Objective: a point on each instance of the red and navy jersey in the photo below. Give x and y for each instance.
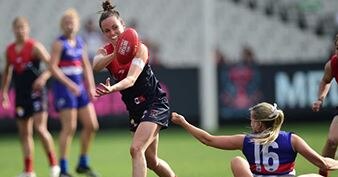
(145, 89)
(276, 158)
(26, 66)
(334, 67)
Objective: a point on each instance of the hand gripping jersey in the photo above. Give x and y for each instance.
(145, 89)
(274, 159)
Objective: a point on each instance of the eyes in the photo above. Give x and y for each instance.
(112, 28)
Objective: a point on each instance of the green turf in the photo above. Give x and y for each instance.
(189, 158)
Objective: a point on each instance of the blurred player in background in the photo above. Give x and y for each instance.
(330, 73)
(73, 91)
(268, 150)
(146, 102)
(23, 58)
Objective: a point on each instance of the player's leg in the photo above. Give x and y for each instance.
(68, 118)
(40, 125)
(330, 146)
(90, 125)
(240, 167)
(25, 128)
(144, 135)
(159, 166)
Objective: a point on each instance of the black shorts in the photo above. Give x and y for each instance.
(157, 112)
(30, 103)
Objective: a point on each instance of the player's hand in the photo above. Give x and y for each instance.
(104, 89)
(38, 84)
(5, 101)
(92, 94)
(331, 163)
(177, 118)
(75, 89)
(316, 105)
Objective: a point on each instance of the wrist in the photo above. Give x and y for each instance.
(320, 99)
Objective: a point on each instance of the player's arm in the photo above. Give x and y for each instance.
(5, 81)
(300, 146)
(324, 86)
(136, 67)
(101, 59)
(233, 142)
(88, 73)
(56, 71)
(41, 53)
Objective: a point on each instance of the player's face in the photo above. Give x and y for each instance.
(112, 27)
(336, 47)
(69, 25)
(255, 125)
(21, 30)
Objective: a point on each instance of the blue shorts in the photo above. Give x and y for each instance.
(65, 99)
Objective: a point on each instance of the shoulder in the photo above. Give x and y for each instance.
(10, 46)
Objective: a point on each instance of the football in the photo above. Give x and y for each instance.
(127, 46)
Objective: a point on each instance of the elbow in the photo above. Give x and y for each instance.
(96, 69)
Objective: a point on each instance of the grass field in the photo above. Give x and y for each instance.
(110, 152)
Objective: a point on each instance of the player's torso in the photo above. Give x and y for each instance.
(26, 67)
(71, 58)
(145, 88)
(276, 158)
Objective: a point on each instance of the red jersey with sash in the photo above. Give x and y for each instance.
(277, 158)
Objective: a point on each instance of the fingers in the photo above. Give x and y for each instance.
(108, 81)
(101, 90)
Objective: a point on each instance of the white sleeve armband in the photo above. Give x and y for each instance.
(138, 62)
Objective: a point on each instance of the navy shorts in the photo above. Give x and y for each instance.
(157, 112)
(29, 103)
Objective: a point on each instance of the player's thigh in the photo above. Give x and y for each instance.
(333, 132)
(144, 135)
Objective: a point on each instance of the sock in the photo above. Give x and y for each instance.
(28, 164)
(64, 166)
(83, 160)
(51, 159)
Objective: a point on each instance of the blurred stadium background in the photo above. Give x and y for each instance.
(215, 58)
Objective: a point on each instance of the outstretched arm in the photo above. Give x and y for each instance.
(233, 142)
(136, 67)
(5, 81)
(324, 87)
(312, 156)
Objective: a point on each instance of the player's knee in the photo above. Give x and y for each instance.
(41, 129)
(332, 142)
(135, 151)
